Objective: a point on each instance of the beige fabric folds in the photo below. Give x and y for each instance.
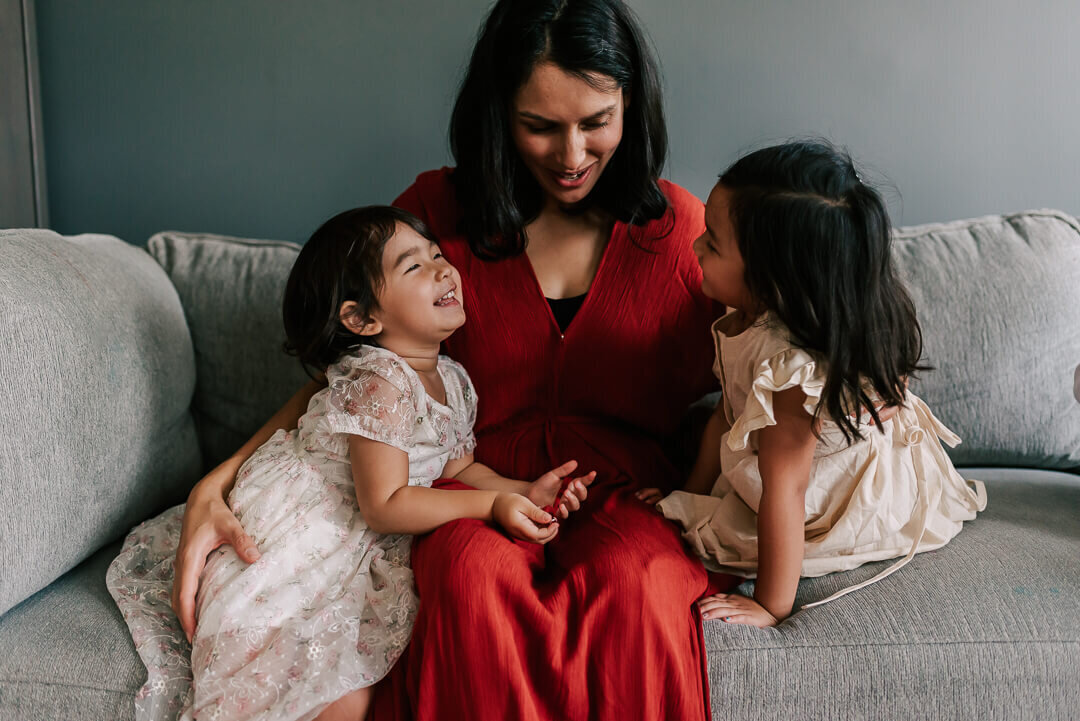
(889, 495)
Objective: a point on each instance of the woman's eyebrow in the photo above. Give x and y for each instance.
(595, 116)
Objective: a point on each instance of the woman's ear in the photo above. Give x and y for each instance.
(355, 322)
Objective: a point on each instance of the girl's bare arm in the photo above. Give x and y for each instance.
(785, 455)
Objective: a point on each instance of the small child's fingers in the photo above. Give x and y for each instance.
(650, 496)
(735, 619)
(716, 607)
(547, 534)
(565, 469)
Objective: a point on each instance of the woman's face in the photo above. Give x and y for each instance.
(566, 130)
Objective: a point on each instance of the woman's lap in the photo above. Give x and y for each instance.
(563, 630)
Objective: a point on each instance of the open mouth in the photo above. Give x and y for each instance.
(572, 180)
(449, 298)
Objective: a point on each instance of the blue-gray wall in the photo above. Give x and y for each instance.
(263, 117)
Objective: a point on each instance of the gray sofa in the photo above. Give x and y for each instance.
(126, 371)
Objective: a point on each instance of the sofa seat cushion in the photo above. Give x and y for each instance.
(96, 373)
(986, 627)
(67, 653)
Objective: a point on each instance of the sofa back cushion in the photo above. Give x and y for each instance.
(231, 290)
(999, 302)
(998, 299)
(96, 376)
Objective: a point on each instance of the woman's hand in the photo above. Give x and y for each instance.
(523, 519)
(544, 491)
(736, 609)
(651, 496)
(208, 523)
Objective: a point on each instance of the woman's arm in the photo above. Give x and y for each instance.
(208, 522)
(390, 505)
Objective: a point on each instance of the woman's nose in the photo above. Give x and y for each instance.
(573, 150)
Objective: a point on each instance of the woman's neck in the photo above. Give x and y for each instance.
(565, 249)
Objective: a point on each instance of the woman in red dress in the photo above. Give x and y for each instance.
(587, 338)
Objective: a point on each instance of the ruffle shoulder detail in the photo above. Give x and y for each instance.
(789, 368)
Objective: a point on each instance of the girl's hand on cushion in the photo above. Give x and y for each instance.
(523, 519)
(544, 491)
(736, 609)
(651, 496)
(208, 523)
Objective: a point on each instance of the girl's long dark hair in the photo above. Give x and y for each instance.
(342, 261)
(816, 244)
(497, 193)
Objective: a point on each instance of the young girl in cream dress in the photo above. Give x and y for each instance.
(328, 607)
(798, 475)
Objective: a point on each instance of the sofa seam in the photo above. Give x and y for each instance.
(1026, 642)
(24, 682)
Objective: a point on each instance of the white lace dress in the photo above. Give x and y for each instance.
(890, 495)
(329, 606)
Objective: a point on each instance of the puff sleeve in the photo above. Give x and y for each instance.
(371, 396)
(790, 368)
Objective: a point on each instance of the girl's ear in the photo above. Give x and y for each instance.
(355, 322)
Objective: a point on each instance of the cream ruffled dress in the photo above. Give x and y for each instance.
(890, 495)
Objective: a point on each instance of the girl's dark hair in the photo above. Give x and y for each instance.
(816, 244)
(342, 261)
(497, 193)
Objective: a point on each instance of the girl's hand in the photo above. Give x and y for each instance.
(208, 523)
(523, 519)
(544, 491)
(736, 609)
(651, 496)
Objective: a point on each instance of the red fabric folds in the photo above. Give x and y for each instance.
(600, 623)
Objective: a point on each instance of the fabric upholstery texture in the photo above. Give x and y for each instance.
(72, 657)
(96, 375)
(987, 627)
(231, 290)
(999, 302)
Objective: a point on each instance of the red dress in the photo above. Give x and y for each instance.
(600, 623)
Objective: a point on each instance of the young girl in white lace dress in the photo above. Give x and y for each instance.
(798, 473)
(325, 611)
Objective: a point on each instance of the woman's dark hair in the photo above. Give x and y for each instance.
(586, 38)
(816, 244)
(342, 261)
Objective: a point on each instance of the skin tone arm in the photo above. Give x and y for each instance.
(208, 521)
(785, 454)
(390, 505)
(542, 492)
